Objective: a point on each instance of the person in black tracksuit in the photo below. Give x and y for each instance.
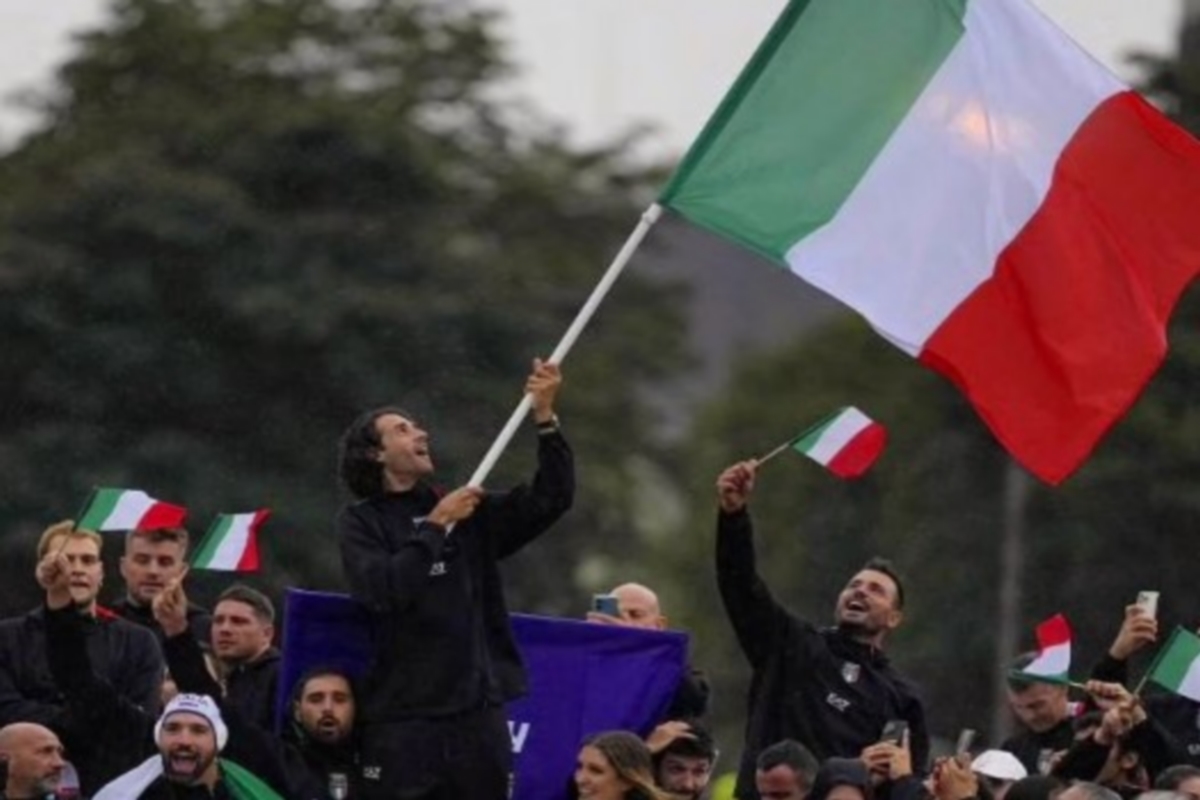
(830, 689)
(322, 733)
(426, 567)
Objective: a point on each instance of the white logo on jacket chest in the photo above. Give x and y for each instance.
(438, 568)
(837, 701)
(850, 672)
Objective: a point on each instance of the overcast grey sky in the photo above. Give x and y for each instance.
(600, 66)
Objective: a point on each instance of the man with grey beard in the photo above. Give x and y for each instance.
(32, 757)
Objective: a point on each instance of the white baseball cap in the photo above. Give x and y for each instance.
(999, 764)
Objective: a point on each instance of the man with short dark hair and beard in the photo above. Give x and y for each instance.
(323, 732)
(831, 689)
(426, 566)
(32, 759)
(189, 737)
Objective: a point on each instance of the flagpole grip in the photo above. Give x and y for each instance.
(649, 217)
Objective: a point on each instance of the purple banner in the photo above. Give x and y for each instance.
(583, 678)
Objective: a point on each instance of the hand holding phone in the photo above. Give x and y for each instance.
(1148, 602)
(894, 732)
(606, 604)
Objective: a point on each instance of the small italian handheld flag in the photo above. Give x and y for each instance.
(1053, 660)
(231, 544)
(1177, 666)
(128, 510)
(846, 442)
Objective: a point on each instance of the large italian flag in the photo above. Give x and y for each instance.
(963, 175)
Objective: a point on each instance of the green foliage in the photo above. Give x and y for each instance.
(244, 221)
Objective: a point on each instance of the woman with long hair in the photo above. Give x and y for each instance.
(615, 765)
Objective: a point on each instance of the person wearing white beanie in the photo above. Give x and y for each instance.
(190, 736)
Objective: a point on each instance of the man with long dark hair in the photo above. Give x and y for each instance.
(426, 567)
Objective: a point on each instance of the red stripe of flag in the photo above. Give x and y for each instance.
(1057, 345)
(249, 560)
(163, 515)
(859, 453)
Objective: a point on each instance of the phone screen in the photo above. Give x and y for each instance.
(606, 604)
(894, 731)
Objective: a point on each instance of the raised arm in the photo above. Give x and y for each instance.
(92, 703)
(756, 617)
(516, 518)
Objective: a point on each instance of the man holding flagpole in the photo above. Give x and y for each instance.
(831, 689)
(426, 567)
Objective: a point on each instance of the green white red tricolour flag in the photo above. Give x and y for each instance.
(1177, 666)
(231, 544)
(1052, 663)
(127, 510)
(992, 200)
(846, 444)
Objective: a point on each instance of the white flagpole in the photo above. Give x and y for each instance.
(649, 217)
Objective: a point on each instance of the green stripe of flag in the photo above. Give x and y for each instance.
(805, 441)
(1176, 659)
(99, 508)
(814, 106)
(212, 540)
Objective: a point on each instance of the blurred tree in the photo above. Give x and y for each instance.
(242, 222)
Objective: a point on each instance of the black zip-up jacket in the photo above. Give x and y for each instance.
(253, 688)
(443, 641)
(125, 656)
(199, 620)
(311, 765)
(122, 734)
(818, 686)
(1032, 749)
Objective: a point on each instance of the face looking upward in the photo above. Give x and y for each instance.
(403, 451)
(869, 604)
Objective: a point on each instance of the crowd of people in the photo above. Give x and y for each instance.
(155, 698)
